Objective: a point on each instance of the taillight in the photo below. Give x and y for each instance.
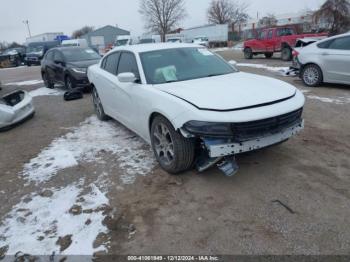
(295, 53)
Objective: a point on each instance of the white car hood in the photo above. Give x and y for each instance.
(230, 92)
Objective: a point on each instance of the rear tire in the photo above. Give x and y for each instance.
(248, 53)
(312, 75)
(69, 83)
(286, 54)
(174, 152)
(98, 106)
(47, 81)
(268, 55)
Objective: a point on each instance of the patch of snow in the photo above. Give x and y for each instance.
(11, 68)
(44, 91)
(220, 49)
(34, 227)
(276, 69)
(25, 83)
(337, 100)
(86, 143)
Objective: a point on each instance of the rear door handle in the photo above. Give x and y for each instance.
(324, 53)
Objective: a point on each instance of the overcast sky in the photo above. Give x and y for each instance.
(68, 15)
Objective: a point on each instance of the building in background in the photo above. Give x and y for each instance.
(104, 37)
(44, 37)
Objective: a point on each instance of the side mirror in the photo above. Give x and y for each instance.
(127, 77)
(233, 63)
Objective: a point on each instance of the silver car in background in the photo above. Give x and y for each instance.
(327, 61)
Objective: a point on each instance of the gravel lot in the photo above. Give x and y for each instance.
(108, 195)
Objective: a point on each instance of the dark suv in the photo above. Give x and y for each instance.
(68, 66)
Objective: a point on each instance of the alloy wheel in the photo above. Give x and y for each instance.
(97, 102)
(163, 144)
(311, 76)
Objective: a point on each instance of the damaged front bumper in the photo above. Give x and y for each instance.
(220, 148)
(15, 108)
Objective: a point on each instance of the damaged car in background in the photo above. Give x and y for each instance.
(15, 108)
(192, 106)
(12, 57)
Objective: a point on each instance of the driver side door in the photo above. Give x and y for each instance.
(126, 107)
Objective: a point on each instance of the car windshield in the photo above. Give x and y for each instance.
(180, 64)
(80, 54)
(32, 49)
(122, 42)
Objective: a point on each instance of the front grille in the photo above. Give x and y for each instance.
(247, 130)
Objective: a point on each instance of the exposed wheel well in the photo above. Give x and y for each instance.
(151, 118)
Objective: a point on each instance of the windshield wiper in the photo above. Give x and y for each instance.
(171, 81)
(211, 75)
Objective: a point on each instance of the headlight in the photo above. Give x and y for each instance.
(208, 128)
(79, 70)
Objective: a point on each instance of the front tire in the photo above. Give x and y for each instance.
(47, 81)
(312, 75)
(69, 83)
(174, 152)
(98, 106)
(248, 53)
(286, 54)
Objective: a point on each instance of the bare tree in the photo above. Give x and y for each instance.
(82, 31)
(268, 21)
(227, 12)
(162, 16)
(334, 15)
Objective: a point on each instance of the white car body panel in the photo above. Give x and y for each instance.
(334, 63)
(10, 115)
(132, 104)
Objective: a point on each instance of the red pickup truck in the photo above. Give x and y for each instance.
(271, 40)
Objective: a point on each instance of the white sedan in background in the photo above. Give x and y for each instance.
(327, 61)
(192, 106)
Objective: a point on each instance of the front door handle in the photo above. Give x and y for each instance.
(324, 53)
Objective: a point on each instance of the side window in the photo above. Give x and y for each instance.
(325, 44)
(270, 34)
(110, 63)
(262, 35)
(49, 55)
(342, 43)
(58, 56)
(128, 63)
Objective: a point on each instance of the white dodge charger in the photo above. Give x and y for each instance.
(192, 106)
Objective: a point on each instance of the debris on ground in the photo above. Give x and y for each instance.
(75, 210)
(284, 205)
(64, 242)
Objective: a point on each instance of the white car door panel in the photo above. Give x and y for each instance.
(336, 61)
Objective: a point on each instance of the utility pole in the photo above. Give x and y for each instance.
(26, 22)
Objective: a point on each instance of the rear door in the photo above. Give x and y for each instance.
(336, 60)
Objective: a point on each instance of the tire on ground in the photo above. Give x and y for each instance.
(248, 53)
(286, 54)
(184, 148)
(310, 69)
(101, 115)
(47, 81)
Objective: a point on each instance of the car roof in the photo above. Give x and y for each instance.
(61, 48)
(153, 47)
(334, 37)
